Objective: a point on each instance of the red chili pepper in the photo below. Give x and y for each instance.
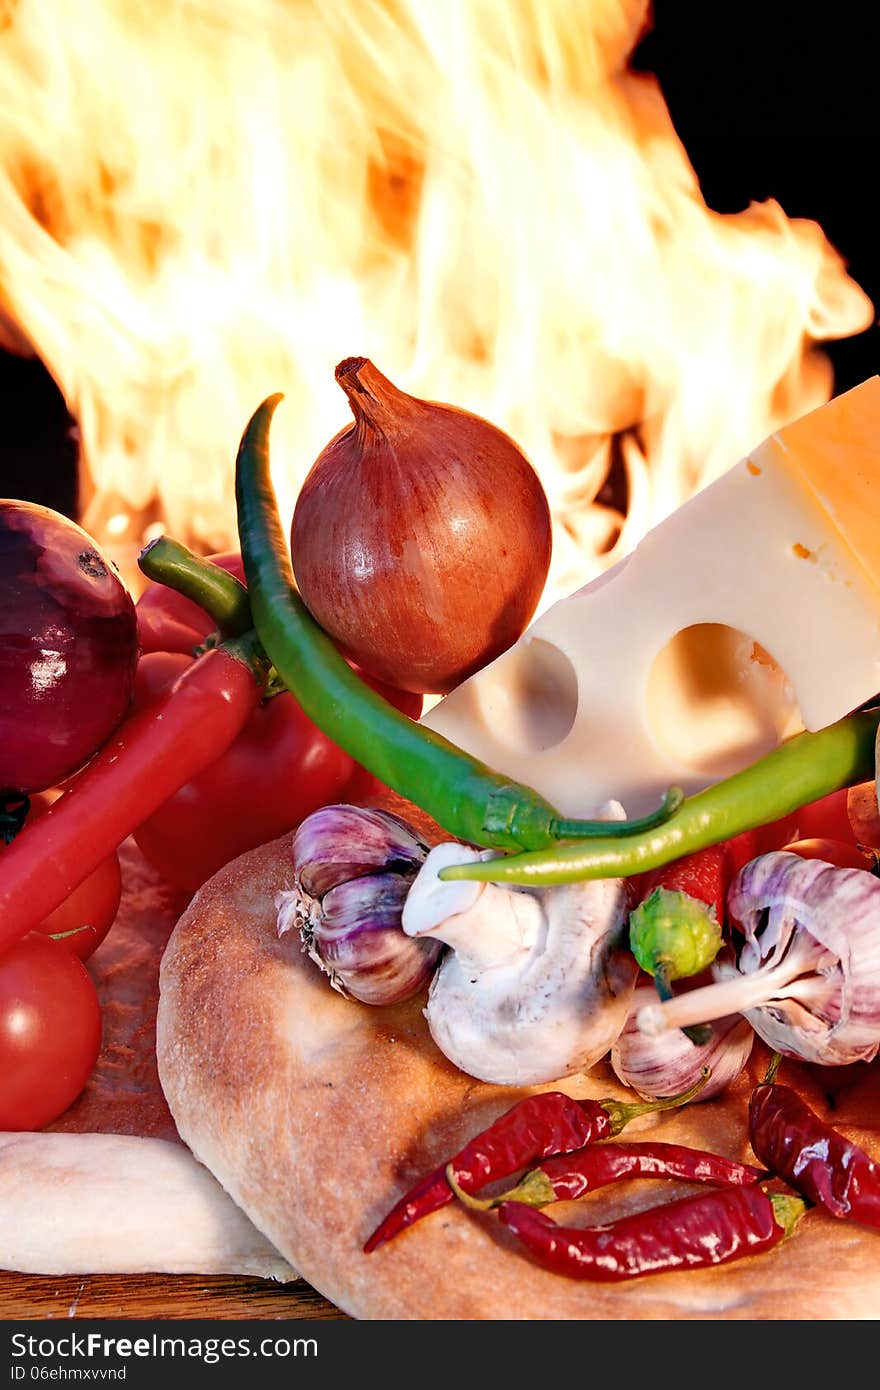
(149, 756)
(796, 1144)
(697, 1232)
(534, 1128)
(567, 1177)
(704, 875)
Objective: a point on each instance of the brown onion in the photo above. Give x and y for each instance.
(421, 537)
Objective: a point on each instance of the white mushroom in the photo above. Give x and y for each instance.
(538, 983)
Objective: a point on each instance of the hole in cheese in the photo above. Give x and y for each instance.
(716, 700)
(529, 696)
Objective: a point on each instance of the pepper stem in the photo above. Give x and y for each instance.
(223, 597)
(596, 829)
(535, 1189)
(787, 1210)
(772, 1069)
(621, 1112)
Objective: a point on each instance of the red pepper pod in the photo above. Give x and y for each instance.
(535, 1128)
(694, 1233)
(704, 875)
(797, 1145)
(146, 760)
(571, 1176)
(549, 1123)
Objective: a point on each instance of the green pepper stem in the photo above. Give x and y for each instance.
(534, 1188)
(621, 1112)
(698, 1033)
(595, 829)
(223, 597)
(772, 1069)
(801, 770)
(787, 1210)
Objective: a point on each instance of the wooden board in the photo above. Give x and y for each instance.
(25, 1297)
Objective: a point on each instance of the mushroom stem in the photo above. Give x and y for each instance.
(484, 924)
(738, 994)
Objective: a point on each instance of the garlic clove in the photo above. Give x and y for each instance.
(353, 867)
(341, 842)
(375, 964)
(662, 1066)
(377, 899)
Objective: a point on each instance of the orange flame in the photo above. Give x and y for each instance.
(201, 204)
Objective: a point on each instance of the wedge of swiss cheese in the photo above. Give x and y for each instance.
(749, 614)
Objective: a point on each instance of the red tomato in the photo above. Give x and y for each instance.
(838, 852)
(50, 1031)
(89, 912)
(826, 819)
(747, 846)
(278, 771)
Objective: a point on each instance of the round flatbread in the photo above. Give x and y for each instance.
(316, 1113)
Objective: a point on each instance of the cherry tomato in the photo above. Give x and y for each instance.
(50, 1031)
(87, 914)
(278, 771)
(841, 853)
(747, 846)
(826, 819)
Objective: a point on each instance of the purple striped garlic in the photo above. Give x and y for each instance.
(808, 973)
(353, 867)
(665, 1064)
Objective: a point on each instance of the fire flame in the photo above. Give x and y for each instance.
(201, 204)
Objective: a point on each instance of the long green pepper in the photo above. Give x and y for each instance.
(805, 768)
(463, 795)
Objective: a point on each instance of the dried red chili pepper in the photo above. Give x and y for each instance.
(566, 1177)
(797, 1145)
(697, 1232)
(534, 1128)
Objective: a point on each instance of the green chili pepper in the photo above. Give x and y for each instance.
(801, 770)
(673, 936)
(464, 796)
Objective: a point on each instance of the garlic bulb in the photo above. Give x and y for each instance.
(353, 868)
(661, 1066)
(808, 974)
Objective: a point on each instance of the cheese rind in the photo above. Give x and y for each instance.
(770, 574)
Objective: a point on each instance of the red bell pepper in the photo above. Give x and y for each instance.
(279, 769)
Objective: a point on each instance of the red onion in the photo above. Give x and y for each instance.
(421, 537)
(68, 647)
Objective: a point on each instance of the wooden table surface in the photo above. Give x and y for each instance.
(27, 1297)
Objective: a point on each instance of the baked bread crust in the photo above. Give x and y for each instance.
(316, 1113)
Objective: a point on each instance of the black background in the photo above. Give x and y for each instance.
(781, 101)
(770, 101)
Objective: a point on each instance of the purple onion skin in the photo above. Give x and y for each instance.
(68, 647)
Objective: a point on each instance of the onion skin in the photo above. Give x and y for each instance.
(68, 647)
(421, 538)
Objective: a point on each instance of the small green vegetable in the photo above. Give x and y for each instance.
(673, 934)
